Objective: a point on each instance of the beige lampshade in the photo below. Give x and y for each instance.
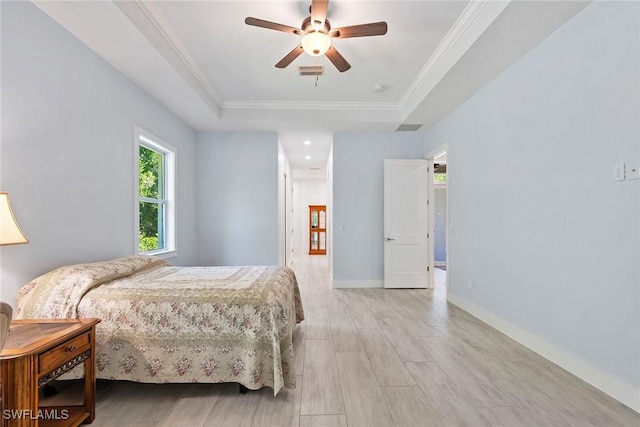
(10, 233)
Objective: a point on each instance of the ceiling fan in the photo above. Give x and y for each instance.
(317, 33)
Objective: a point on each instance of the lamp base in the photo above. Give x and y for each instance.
(6, 314)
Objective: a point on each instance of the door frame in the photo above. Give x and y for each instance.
(430, 156)
(284, 227)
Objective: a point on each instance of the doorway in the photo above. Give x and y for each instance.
(439, 216)
(306, 192)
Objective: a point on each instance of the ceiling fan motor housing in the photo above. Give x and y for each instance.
(308, 27)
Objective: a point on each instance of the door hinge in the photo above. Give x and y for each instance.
(427, 268)
(427, 235)
(427, 202)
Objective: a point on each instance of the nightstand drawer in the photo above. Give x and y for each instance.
(55, 357)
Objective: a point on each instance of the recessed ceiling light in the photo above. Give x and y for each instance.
(307, 157)
(307, 142)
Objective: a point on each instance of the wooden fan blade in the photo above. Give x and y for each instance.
(338, 60)
(288, 59)
(362, 30)
(319, 12)
(273, 26)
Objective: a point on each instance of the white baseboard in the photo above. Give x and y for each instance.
(350, 284)
(620, 390)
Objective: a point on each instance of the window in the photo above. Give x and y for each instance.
(155, 189)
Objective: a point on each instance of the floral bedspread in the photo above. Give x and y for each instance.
(162, 323)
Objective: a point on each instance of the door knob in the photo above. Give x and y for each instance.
(389, 238)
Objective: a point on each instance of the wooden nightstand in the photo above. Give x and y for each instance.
(36, 352)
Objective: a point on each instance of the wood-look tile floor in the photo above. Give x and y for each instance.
(381, 357)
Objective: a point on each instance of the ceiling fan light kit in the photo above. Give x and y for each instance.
(316, 43)
(316, 35)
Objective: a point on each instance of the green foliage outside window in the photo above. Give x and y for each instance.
(440, 178)
(151, 200)
(148, 243)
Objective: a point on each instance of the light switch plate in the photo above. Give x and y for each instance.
(632, 170)
(618, 172)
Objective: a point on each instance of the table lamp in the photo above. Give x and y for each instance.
(10, 234)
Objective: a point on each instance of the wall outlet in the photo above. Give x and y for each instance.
(632, 171)
(618, 172)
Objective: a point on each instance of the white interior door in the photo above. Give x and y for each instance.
(406, 224)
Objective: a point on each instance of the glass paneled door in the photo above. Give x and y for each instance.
(317, 230)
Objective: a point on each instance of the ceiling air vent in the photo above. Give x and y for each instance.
(405, 127)
(311, 70)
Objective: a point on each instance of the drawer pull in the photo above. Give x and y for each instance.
(71, 348)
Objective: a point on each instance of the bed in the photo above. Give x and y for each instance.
(162, 323)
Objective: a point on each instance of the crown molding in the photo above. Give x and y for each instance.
(469, 26)
(472, 22)
(313, 105)
(150, 21)
(153, 25)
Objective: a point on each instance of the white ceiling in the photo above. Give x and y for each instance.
(200, 60)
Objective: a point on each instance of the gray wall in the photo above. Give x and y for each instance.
(549, 240)
(238, 198)
(67, 150)
(358, 202)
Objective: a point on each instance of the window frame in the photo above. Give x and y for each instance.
(169, 152)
